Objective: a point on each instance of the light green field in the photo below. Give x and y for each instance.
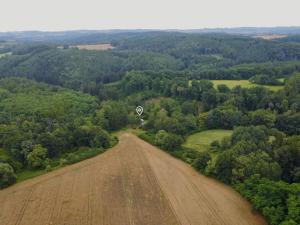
(27, 174)
(113, 84)
(244, 84)
(201, 141)
(5, 54)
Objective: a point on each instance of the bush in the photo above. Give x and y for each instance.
(168, 141)
(63, 162)
(7, 175)
(265, 80)
(82, 154)
(48, 168)
(225, 162)
(262, 117)
(215, 145)
(148, 137)
(72, 158)
(36, 158)
(200, 163)
(186, 154)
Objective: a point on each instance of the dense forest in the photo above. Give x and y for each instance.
(206, 56)
(59, 105)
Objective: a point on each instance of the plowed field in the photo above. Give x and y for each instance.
(134, 183)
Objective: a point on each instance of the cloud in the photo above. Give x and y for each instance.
(130, 14)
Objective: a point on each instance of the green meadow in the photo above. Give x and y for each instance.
(244, 84)
(201, 141)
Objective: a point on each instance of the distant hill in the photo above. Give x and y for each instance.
(249, 30)
(106, 35)
(197, 56)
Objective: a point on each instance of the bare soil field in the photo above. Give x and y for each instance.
(134, 183)
(271, 36)
(97, 47)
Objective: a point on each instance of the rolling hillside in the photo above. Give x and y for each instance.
(133, 183)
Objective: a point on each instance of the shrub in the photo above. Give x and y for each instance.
(7, 175)
(72, 158)
(265, 79)
(148, 137)
(215, 145)
(36, 158)
(168, 141)
(186, 154)
(48, 168)
(81, 154)
(200, 163)
(63, 162)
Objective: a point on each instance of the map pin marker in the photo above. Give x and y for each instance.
(139, 110)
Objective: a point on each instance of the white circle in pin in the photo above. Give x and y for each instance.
(139, 110)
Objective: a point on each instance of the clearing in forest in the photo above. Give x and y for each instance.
(244, 84)
(201, 141)
(96, 47)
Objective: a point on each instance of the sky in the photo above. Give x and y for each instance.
(58, 15)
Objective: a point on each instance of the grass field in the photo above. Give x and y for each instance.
(27, 174)
(271, 36)
(244, 84)
(5, 54)
(201, 141)
(95, 47)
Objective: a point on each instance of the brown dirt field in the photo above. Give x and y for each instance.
(97, 47)
(271, 36)
(134, 183)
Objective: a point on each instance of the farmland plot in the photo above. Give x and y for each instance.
(133, 183)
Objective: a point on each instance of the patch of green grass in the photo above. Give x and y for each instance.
(147, 136)
(136, 131)
(81, 154)
(56, 163)
(201, 141)
(113, 84)
(27, 174)
(130, 129)
(5, 54)
(244, 84)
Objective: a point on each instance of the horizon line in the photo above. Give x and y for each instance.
(152, 29)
